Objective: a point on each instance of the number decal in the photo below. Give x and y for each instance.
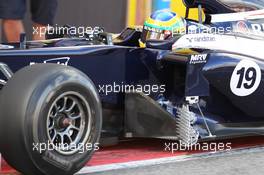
(245, 78)
(250, 77)
(241, 77)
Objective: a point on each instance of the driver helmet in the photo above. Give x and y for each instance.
(162, 25)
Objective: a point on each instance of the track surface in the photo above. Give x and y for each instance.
(147, 152)
(238, 162)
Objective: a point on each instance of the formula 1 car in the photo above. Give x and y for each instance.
(60, 95)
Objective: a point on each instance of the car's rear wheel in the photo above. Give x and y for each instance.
(50, 120)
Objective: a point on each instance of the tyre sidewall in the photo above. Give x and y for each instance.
(39, 105)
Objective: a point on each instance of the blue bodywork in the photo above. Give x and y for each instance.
(124, 63)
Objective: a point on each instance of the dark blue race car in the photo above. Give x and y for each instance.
(60, 95)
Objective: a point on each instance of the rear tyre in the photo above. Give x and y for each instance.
(50, 120)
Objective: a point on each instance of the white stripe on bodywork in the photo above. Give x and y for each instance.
(241, 16)
(228, 43)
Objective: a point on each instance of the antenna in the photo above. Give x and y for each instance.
(200, 13)
(23, 41)
(187, 12)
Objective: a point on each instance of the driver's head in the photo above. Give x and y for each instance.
(162, 25)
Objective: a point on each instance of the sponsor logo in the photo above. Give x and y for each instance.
(243, 27)
(201, 39)
(198, 59)
(152, 29)
(61, 61)
(257, 27)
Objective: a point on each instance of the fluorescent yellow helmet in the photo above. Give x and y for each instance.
(162, 25)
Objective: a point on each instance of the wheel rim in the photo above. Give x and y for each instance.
(69, 123)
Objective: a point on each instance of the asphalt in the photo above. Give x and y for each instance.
(241, 162)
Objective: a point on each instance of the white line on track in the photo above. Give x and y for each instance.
(151, 162)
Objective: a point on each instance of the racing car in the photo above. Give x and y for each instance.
(59, 96)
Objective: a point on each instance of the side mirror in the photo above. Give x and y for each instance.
(190, 3)
(106, 38)
(210, 6)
